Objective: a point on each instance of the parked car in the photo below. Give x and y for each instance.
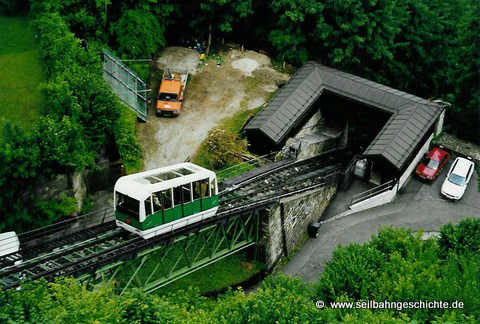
(431, 165)
(457, 178)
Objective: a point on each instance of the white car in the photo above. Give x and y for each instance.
(457, 178)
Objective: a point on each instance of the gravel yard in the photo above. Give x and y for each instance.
(244, 80)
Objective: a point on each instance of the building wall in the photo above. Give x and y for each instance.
(286, 223)
(408, 172)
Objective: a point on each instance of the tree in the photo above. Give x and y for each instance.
(13, 7)
(290, 36)
(219, 17)
(138, 34)
(21, 160)
(62, 145)
(463, 74)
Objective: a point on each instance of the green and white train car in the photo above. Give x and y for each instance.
(157, 201)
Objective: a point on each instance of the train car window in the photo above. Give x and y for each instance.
(197, 190)
(128, 205)
(213, 187)
(167, 198)
(187, 193)
(148, 206)
(177, 195)
(183, 171)
(157, 201)
(205, 188)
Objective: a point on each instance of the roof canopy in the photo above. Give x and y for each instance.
(411, 116)
(143, 184)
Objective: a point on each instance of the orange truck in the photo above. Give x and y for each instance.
(170, 94)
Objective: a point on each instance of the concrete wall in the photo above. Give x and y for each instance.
(380, 199)
(79, 188)
(286, 223)
(406, 175)
(439, 123)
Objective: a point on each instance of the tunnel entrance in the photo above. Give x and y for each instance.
(362, 123)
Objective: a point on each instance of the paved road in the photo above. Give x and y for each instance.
(419, 206)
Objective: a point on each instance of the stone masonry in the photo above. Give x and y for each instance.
(286, 223)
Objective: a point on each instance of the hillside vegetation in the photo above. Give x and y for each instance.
(394, 266)
(426, 47)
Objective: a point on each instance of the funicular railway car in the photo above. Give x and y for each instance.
(154, 202)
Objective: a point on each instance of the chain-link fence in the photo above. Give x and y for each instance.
(125, 84)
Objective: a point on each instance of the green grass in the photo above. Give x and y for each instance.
(227, 272)
(21, 73)
(234, 123)
(252, 84)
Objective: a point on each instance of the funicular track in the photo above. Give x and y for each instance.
(85, 251)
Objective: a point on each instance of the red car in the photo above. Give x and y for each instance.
(432, 164)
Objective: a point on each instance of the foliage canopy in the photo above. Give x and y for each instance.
(395, 265)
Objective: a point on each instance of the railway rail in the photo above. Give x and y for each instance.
(89, 249)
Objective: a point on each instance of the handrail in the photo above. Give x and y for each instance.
(373, 191)
(242, 166)
(352, 163)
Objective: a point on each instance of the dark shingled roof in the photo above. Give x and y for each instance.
(290, 104)
(411, 116)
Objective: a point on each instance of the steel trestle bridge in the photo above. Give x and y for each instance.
(90, 246)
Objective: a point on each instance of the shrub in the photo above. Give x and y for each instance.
(350, 272)
(125, 134)
(62, 146)
(223, 148)
(397, 265)
(52, 210)
(400, 241)
(460, 239)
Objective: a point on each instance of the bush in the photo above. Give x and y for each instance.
(460, 239)
(400, 241)
(125, 134)
(397, 265)
(145, 309)
(52, 210)
(62, 146)
(351, 272)
(222, 149)
(64, 301)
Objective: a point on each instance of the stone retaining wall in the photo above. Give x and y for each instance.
(458, 145)
(286, 223)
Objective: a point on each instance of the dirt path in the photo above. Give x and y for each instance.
(243, 81)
